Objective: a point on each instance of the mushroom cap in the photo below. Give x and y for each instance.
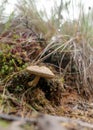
(41, 71)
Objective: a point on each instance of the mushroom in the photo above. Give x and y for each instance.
(39, 71)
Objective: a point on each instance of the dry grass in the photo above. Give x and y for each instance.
(80, 61)
(32, 19)
(72, 43)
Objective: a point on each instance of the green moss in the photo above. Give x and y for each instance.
(10, 64)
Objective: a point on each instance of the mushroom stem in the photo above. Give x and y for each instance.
(34, 82)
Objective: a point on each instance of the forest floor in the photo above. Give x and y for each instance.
(72, 105)
(49, 96)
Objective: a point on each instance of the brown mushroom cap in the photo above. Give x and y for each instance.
(41, 71)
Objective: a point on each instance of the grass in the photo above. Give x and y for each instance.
(75, 39)
(63, 41)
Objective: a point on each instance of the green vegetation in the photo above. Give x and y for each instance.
(31, 37)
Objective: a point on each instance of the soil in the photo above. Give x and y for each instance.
(50, 97)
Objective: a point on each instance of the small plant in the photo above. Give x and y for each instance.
(9, 64)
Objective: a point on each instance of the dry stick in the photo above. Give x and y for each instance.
(16, 118)
(68, 120)
(44, 120)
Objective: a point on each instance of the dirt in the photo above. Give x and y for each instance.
(52, 97)
(71, 104)
(77, 107)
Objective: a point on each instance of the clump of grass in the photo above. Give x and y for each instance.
(78, 53)
(71, 51)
